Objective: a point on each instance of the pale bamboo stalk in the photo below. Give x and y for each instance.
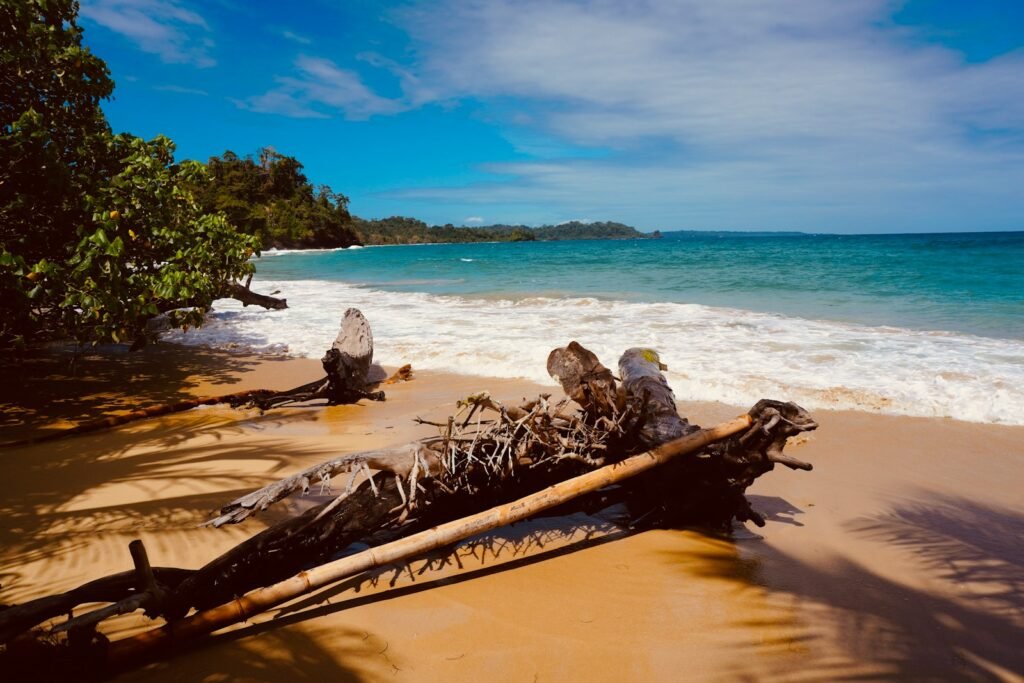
(262, 599)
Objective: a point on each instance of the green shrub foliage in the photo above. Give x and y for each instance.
(98, 232)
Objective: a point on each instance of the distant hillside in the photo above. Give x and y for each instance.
(268, 195)
(689, 234)
(402, 230)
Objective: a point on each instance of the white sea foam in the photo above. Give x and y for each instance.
(713, 354)
(326, 250)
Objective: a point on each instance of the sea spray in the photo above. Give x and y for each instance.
(713, 353)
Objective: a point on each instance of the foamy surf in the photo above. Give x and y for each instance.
(713, 354)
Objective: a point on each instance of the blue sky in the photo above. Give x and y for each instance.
(845, 116)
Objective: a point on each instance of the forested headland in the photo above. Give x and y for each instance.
(268, 195)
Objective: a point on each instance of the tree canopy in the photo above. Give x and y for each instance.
(270, 197)
(98, 232)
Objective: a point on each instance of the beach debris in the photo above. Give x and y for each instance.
(488, 465)
(262, 599)
(242, 292)
(402, 374)
(351, 374)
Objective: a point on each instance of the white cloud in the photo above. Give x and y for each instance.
(280, 102)
(319, 87)
(473, 220)
(165, 28)
(722, 113)
(180, 89)
(295, 37)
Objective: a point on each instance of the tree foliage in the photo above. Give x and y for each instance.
(150, 248)
(270, 197)
(98, 233)
(53, 134)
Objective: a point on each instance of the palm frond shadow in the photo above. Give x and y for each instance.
(888, 630)
(173, 479)
(67, 385)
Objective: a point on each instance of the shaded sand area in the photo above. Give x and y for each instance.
(900, 557)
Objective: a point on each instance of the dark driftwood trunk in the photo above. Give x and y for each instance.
(348, 361)
(234, 290)
(648, 393)
(19, 618)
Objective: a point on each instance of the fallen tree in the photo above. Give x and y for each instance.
(487, 465)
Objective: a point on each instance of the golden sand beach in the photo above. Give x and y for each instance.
(898, 558)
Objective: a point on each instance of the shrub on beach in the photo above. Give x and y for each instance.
(98, 232)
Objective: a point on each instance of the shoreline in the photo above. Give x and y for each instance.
(821, 364)
(897, 557)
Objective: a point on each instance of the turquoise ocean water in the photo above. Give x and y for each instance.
(912, 324)
(970, 283)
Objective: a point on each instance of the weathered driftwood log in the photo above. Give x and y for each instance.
(348, 361)
(446, 475)
(650, 397)
(347, 365)
(262, 599)
(584, 380)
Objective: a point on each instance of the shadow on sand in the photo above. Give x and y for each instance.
(854, 624)
(881, 629)
(62, 385)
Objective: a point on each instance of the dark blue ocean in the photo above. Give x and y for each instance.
(927, 325)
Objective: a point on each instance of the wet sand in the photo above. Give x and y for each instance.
(899, 557)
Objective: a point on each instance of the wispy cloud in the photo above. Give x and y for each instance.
(180, 89)
(805, 113)
(295, 37)
(162, 27)
(318, 88)
(473, 220)
(280, 102)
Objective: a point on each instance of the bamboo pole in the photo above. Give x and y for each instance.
(262, 599)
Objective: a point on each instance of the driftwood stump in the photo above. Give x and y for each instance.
(348, 361)
(347, 364)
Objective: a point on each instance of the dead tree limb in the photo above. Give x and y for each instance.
(236, 398)
(242, 293)
(397, 460)
(18, 619)
(262, 599)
